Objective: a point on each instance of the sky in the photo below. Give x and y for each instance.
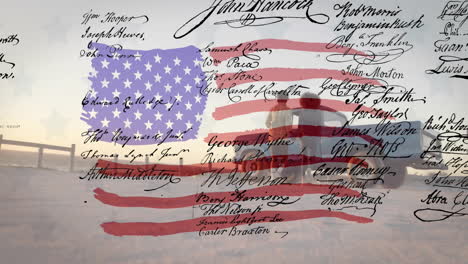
(44, 100)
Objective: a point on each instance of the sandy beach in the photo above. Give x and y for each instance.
(49, 216)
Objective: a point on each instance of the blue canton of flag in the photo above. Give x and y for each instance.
(145, 97)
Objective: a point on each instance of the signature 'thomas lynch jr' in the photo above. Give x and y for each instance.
(250, 11)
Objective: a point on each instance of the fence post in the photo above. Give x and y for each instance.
(39, 160)
(146, 162)
(72, 157)
(181, 163)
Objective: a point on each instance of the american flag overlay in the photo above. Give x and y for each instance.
(155, 95)
(146, 96)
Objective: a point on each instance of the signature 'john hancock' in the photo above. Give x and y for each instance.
(248, 8)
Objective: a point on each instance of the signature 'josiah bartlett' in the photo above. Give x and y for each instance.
(250, 13)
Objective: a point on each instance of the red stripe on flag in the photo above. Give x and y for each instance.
(222, 197)
(126, 170)
(254, 106)
(193, 225)
(250, 137)
(223, 53)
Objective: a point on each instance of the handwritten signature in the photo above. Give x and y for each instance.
(248, 17)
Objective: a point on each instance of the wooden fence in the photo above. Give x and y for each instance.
(41, 148)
